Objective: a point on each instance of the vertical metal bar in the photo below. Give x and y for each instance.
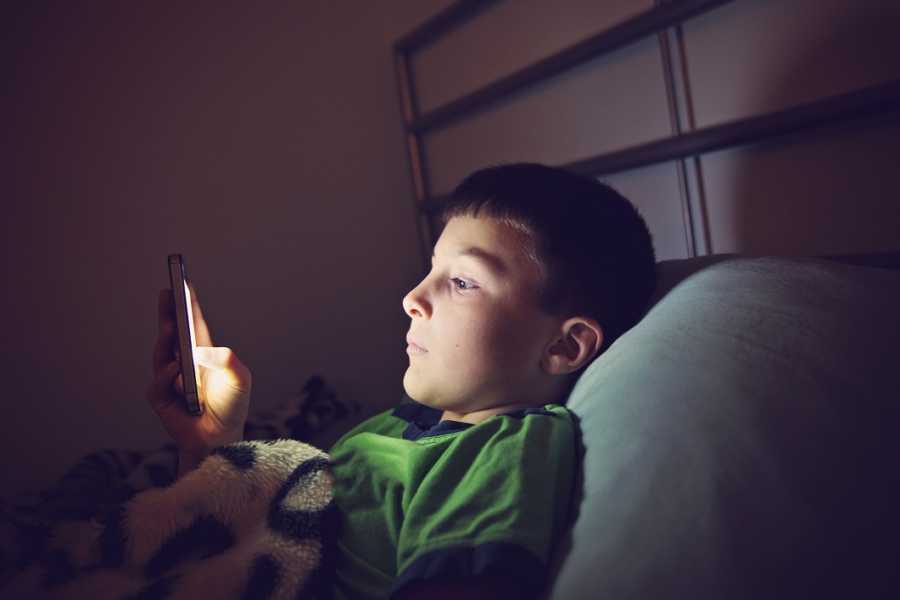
(696, 170)
(418, 173)
(687, 218)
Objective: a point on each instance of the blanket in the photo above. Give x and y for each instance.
(256, 519)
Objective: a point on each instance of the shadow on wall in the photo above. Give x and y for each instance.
(831, 190)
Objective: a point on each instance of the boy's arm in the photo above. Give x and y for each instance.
(487, 587)
(224, 393)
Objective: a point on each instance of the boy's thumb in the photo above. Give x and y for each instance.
(222, 360)
(218, 357)
(211, 356)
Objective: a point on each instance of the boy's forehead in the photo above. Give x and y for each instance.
(502, 246)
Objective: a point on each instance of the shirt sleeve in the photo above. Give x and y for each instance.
(495, 503)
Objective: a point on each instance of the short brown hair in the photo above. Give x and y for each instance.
(592, 242)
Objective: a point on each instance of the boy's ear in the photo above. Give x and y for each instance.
(579, 341)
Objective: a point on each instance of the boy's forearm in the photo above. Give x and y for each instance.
(188, 461)
(190, 456)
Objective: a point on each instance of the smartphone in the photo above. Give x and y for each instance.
(184, 325)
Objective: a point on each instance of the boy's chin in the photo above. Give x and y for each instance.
(418, 390)
(412, 387)
(437, 395)
(408, 385)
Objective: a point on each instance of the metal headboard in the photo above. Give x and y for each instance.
(866, 102)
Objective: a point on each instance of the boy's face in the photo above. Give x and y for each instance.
(478, 320)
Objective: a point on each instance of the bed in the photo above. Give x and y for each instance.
(739, 442)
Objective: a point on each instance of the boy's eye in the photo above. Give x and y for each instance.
(461, 284)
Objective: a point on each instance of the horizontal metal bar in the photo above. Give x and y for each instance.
(618, 36)
(440, 24)
(873, 100)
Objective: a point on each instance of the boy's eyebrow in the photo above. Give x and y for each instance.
(494, 263)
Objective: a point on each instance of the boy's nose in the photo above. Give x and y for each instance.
(415, 305)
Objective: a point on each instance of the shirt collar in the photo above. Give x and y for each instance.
(424, 421)
(414, 412)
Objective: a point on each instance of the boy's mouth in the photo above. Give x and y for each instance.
(413, 347)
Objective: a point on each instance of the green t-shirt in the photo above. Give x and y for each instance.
(421, 499)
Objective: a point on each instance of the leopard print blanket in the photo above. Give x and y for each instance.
(251, 521)
(256, 519)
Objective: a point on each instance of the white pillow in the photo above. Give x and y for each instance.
(740, 441)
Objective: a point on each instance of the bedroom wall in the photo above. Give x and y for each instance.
(826, 192)
(261, 140)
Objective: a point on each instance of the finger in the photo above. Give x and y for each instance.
(162, 351)
(224, 360)
(201, 330)
(219, 357)
(165, 308)
(166, 376)
(161, 395)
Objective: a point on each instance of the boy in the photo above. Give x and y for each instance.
(464, 489)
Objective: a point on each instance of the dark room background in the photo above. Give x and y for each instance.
(264, 142)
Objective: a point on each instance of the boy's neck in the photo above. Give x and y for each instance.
(478, 416)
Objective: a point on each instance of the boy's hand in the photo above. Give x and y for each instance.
(224, 388)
